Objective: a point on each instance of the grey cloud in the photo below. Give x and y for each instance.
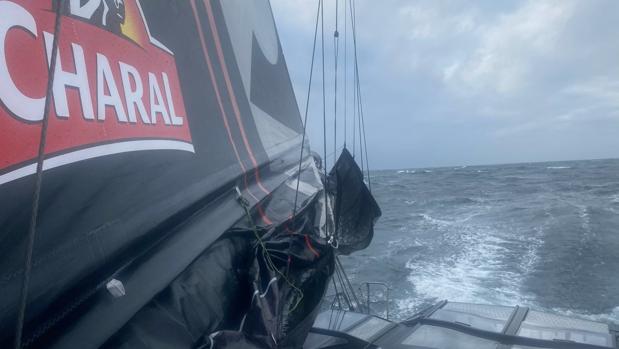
(455, 82)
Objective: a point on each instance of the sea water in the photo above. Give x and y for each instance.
(543, 235)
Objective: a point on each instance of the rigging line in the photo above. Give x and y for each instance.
(307, 101)
(354, 104)
(265, 253)
(357, 125)
(339, 280)
(360, 102)
(324, 118)
(367, 161)
(345, 72)
(330, 155)
(336, 44)
(337, 296)
(21, 313)
(361, 155)
(352, 290)
(362, 134)
(338, 273)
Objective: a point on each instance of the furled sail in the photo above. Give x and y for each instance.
(161, 119)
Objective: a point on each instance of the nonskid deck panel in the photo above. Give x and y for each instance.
(453, 325)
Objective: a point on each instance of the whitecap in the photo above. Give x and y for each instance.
(557, 167)
(435, 221)
(463, 277)
(612, 316)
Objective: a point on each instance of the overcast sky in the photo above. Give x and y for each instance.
(467, 82)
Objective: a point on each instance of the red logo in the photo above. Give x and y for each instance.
(116, 88)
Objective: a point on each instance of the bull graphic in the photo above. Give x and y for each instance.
(109, 14)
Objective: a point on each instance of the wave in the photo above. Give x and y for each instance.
(435, 221)
(558, 167)
(473, 264)
(463, 276)
(612, 316)
(412, 171)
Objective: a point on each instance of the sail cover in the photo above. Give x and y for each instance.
(162, 116)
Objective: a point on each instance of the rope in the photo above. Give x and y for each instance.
(367, 165)
(357, 125)
(309, 88)
(343, 287)
(362, 135)
(345, 73)
(337, 297)
(336, 44)
(355, 81)
(265, 253)
(23, 301)
(324, 120)
(352, 290)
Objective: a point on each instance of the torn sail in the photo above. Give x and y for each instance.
(158, 111)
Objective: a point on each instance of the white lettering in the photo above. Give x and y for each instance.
(24, 107)
(156, 101)
(63, 79)
(106, 78)
(176, 120)
(107, 92)
(133, 97)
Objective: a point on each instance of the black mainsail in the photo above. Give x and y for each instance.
(168, 172)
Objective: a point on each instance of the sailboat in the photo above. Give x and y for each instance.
(157, 191)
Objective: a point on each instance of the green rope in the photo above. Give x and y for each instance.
(265, 253)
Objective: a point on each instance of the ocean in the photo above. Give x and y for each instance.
(542, 235)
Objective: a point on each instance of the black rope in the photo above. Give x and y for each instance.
(336, 44)
(337, 296)
(367, 161)
(357, 121)
(324, 118)
(345, 73)
(355, 104)
(307, 101)
(360, 128)
(23, 301)
(352, 290)
(347, 297)
(362, 135)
